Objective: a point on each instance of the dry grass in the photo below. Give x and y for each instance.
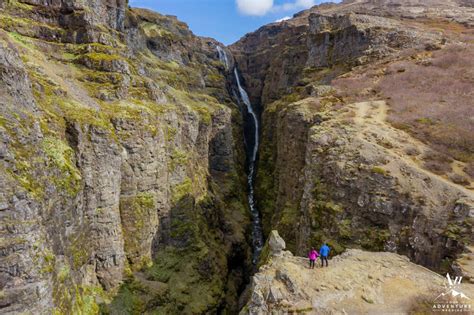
(469, 169)
(421, 305)
(431, 96)
(436, 162)
(459, 179)
(444, 25)
(436, 99)
(356, 87)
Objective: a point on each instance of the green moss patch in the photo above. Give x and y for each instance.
(374, 239)
(181, 190)
(186, 269)
(379, 170)
(61, 156)
(103, 62)
(136, 212)
(459, 231)
(177, 158)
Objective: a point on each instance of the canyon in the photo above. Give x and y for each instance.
(143, 168)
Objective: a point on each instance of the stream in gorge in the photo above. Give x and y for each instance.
(251, 136)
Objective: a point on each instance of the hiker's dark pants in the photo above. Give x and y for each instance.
(324, 258)
(311, 263)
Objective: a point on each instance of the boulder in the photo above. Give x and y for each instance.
(274, 295)
(276, 243)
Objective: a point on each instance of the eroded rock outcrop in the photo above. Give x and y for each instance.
(382, 200)
(356, 282)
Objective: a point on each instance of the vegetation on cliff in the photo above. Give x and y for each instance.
(122, 162)
(129, 148)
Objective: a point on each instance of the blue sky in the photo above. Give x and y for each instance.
(225, 20)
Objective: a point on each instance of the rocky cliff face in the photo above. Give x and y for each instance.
(121, 164)
(361, 146)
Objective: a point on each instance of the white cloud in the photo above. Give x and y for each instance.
(283, 19)
(262, 7)
(254, 7)
(296, 5)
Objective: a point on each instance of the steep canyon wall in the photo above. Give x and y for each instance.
(122, 163)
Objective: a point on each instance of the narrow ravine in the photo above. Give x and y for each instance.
(252, 143)
(252, 147)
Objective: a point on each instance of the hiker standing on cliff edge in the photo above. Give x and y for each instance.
(313, 255)
(324, 252)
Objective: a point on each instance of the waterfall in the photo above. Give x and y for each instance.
(257, 233)
(253, 143)
(245, 98)
(223, 57)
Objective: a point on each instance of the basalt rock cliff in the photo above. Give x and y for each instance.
(122, 149)
(121, 164)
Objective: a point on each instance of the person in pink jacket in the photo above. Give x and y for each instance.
(313, 255)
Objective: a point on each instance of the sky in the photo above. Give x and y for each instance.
(226, 20)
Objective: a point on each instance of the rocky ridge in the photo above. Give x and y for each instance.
(356, 282)
(276, 58)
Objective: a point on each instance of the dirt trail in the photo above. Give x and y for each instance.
(370, 118)
(366, 111)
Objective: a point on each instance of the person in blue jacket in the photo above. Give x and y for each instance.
(324, 253)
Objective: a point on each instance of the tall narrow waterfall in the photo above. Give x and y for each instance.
(257, 233)
(223, 57)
